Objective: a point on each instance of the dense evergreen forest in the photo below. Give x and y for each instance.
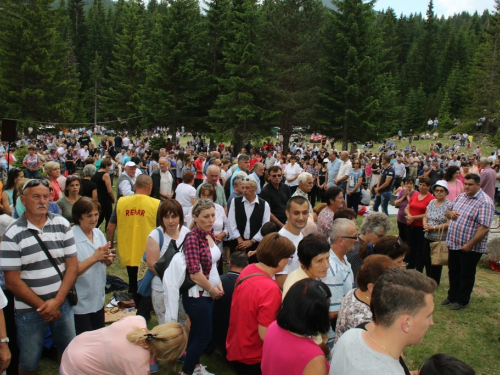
(241, 67)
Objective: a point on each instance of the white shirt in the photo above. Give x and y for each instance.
(345, 169)
(125, 142)
(293, 263)
(290, 171)
(125, 187)
(234, 233)
(183, 195)
(166, 182)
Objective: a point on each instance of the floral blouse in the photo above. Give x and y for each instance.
(313, 171)
(436, 216)
(352, 313)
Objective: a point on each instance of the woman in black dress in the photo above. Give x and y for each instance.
(105, 195)
(89, 188)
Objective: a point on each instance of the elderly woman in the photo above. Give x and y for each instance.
(124, 347)
(94, 254)
(256, 300)
(374, 227)
(172, 229)
(31, 162)
(334, 198)
(414, 214)
(391, 246)
(71, 195)
(434, 222)
(201, 254)
(53, 170)
(89, 187)
(355, 307)
(304, 313)
(455, 185)
(314, 253)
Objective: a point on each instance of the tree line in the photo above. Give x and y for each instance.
(236, 68)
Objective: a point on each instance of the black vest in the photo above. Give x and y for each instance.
(255, 220)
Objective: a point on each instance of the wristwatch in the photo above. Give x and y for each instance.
(253, 241)
(5, 339)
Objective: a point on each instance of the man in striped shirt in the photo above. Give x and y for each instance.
(471, 214)
(40, 294)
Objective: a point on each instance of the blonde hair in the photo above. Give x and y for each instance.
(202, 204)
(50, 166)
(166, 341)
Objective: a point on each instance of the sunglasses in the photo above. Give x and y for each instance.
(33, 183)
(276, 175)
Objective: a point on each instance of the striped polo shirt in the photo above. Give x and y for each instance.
(20, 251)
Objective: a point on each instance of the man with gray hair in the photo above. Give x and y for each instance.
(306, 183)
(213, 176)
(257, 172)
(246, 216)
(488, 177)
(236, 188)
(339, 278)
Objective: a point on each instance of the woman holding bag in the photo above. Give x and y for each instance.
(172, 229)
(435, 226)
(202, 254)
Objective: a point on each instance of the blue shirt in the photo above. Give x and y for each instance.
(333, 169)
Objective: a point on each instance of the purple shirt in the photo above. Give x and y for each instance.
(488, 178)
(403, 204)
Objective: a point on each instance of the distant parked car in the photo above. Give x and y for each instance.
(315, 138)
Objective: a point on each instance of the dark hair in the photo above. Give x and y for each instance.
(239, 259)
(243, 157)
(267, 228)
(386, 158)
(188, 176)
(450, 171)
(274, 168)
(170, 206)
(473, 176)
(332, 193)
(82, 206)
(444, 364)
(155, 155)
(208, 187)
(297, 200)
(391, 246)
(398, 292)
(409, 179)
(424, 180)
(345, 213)
(69, 180)
(11, 176)
(311, 246)
(304, 310)
(273, 249)
(372, 268)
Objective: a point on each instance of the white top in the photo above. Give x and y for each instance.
(345, 169)
(3, 299)
(156, 283)
(291, 171)
(183, 195)
(351, 356)
(166, 181)
(293, 263)
(234, 233)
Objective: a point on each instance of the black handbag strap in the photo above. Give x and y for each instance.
(46, 251)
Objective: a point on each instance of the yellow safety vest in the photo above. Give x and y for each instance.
(136, 218)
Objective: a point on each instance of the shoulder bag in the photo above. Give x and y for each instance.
(439, 251)
(162, 264)
(72, 296)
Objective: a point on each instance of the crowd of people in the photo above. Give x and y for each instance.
(267, 263)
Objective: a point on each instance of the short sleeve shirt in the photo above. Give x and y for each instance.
(384, 174)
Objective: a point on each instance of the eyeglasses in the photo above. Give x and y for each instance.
(439, 191)
(33, 183)
(351, 237)
(380, 235)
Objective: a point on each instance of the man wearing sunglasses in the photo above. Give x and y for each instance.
(40, 290)
(276, 194)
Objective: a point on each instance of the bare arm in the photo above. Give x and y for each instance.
(110, 232)
(19, 288)
(6, 204)
(275, 220)
(4, 347)
(262, 332)
(316, 366)
(152, 254)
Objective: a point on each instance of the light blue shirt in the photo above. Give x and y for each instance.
(90, 285)
(333, 170)
(339, 279)
(256, 178)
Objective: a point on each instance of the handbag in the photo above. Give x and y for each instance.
(439, 251)
(72, 296)
(144, 274)
(162, 264)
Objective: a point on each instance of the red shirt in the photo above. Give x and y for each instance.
(418, 207)
(198, 164)
(255, 302)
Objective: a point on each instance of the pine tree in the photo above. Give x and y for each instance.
(78, 33)
(292, 50)
(445, 117)
(349, 102)
(121, 99)
(414, 109)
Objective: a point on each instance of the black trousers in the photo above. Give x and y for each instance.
(353, 201)
(415, 237)
(244, 369)
(89, 322)
(106, 211)
(434, 272)
(403, 234)
(10, 324)
(132, 279)
(312, 195)
(462, 274)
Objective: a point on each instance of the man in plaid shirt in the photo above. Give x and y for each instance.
(470, 215)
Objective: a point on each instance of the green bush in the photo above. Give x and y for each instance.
(19, 154)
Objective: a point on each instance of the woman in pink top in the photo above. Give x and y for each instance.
(124, 347)
(455, 185)
(289, 347)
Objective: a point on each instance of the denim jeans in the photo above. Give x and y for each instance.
(199, 311)
(31, 174)
(31, 330)
(383, 198)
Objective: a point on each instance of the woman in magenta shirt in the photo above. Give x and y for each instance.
(289, 347)
(414, 214)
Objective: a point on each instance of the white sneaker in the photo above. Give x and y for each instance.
(201, 370)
